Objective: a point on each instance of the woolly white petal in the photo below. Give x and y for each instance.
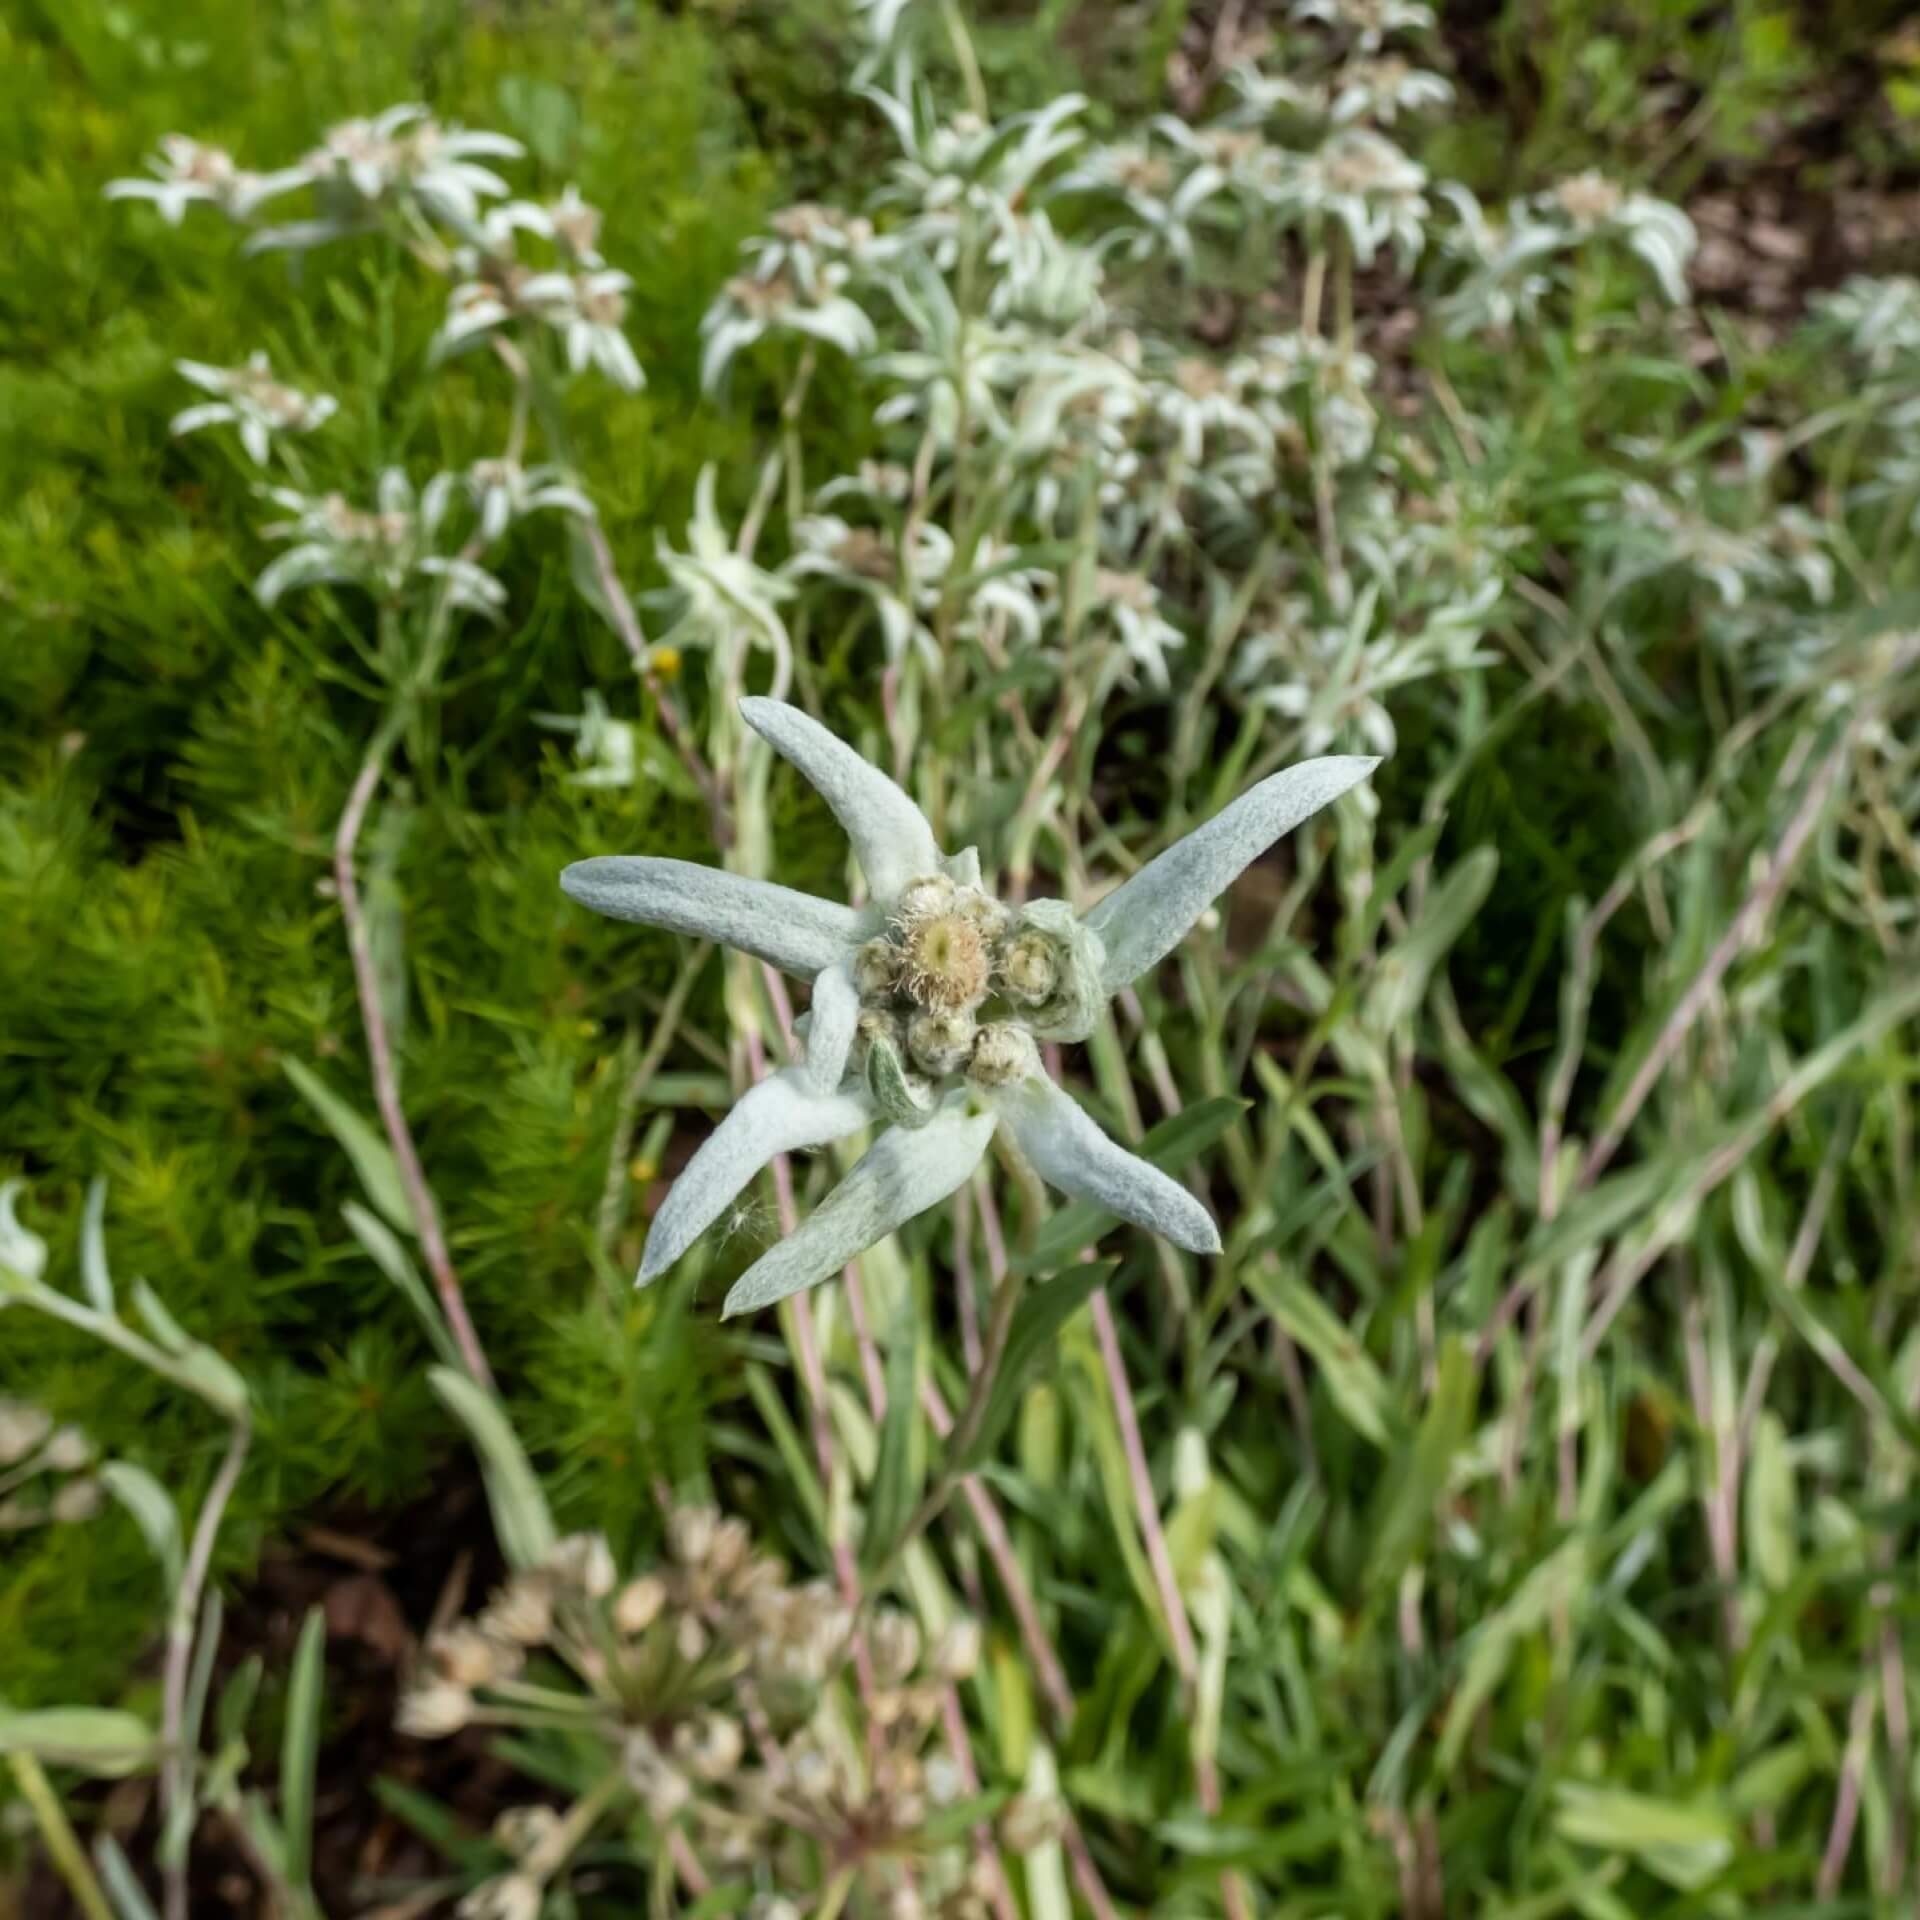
(793, 930)
(903, 1173)
(1070, 1152)
(1144, 920)
(890, 835)
(836, 1012)
(210, 413)
(780, 1115)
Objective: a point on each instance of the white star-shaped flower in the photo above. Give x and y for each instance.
(927, 1006)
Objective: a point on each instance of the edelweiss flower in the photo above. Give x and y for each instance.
(725, 599)
(189, 174)
(589, 311)
(1384, 89)
(252, 400)
(385, 550)
(927, 1006)
(504, 491)
(406, 149)
(868, 562)
(606, 748)
(1880, 318)
(790, 290)
(1371, 22)
(1655, 230)
(1368, 185)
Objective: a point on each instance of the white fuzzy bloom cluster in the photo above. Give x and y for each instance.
(1368, 24)
(1879, 319)
(385, 549)
(428, 185)
(1510, 260)
(1652, 531)
(928, 1004)
(251, 401)
(185, 173)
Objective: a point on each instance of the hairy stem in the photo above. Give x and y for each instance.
(176, 1765)
(386, 1081)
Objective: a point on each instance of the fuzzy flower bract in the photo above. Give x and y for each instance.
(928, 1006)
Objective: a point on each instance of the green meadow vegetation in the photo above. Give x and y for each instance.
(1085, 413)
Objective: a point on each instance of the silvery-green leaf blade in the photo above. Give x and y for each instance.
(1070, 1152)
(902, 1174)
(22, 1251)
(781, 1115)
(1142, 921)
(836, 1012)
(794, 931)
(890, 835)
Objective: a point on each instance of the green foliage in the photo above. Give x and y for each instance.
(174, 759)
(1437, 1453)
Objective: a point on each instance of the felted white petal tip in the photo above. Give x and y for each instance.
(1069, 1151)
(891, 838)
(1196, 1241)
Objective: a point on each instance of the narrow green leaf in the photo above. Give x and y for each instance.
(901, 1468)
(371, 1156)
(153, 1513)
(117, 1877)
(1411, 1493)
(520, 1515)
(1353, 1381)
(1685, 1845)
(1400, 981)
(94, 1276)
(1037, 1323)
(300, 1746)
(98, 1740)
(801, 1473)
(167, 1332)
(1770, 1503)
(383, 1248)
(209, 1374)
(1556, 1579)
(236, 1701)
(437, 1824)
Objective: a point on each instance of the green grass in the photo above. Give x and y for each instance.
(1476, 1613)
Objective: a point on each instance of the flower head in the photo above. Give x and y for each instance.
(187, 173)
(252, 401)
(928, 1004)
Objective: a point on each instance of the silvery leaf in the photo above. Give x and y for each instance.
(794, 931)
(835, 1012)
(903, 1173)
(780, 1115)
(1144, 920)
(889, 1090)
(890, 835)
(22, 1250)
(1070, 1152)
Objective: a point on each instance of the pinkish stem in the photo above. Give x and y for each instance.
(380, 1056)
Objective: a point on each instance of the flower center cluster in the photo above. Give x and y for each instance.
(930, 981)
